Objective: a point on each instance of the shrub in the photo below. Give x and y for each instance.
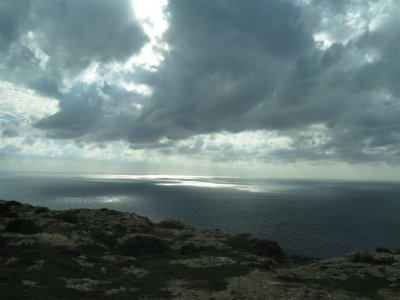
(40, 210)
(171, 224)
(24, 226)
(383, 250)
(192, 248)
(10, 215)
(3, 208)
(68, 216)
(370, 257)
(14, 203)
(361, 257)
(143, 245)
(266, 248)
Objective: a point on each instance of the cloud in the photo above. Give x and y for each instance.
(97, 113)
(319, 75)
(238, 66)
(45, 44)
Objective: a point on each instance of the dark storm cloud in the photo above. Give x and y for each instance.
(99, 113)
(238, 65)
(228, 58)
(46, 42)
(232, 66)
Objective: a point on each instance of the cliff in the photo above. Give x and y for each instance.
(105, 254)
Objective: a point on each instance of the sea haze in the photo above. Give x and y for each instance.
(307, 217)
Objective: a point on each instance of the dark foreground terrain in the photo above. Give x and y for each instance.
(105, 254)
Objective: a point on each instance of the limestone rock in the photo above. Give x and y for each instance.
(205, 261)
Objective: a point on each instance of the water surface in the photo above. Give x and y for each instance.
(307, 217)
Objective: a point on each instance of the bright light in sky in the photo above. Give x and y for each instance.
(323, 40)
(151, 17)
(150, 13)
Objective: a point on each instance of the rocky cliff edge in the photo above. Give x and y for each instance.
(106, 254)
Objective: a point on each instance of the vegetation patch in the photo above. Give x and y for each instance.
(264, 247)
(172, 224)
(367, 286)
(68, 216)
(40, 210)
(142, 245)
(370, 257)
(93, 260)
(25, 226)
(213, 278)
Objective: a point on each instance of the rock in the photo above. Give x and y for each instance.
(37, 266)
(29, 283)
(83, 284)
(83, 263)
(137, 272)
(205, 261)
(257, 261)
(11, 260)
(120, 260)
(172, 261)
(115, 291)
(200, 243)
(56, 239)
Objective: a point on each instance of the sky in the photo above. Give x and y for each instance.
(277, 88)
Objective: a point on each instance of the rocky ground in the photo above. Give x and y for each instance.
(105, 254)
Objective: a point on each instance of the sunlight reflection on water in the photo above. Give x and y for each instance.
(207, 184)
(92, 200)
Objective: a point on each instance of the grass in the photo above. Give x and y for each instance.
(213, 278)
(61, 262)
(367, 286)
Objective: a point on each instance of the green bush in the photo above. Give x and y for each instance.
(24, 226)
(370, 257)
(143, 245)
(266, 248)
(68, 216)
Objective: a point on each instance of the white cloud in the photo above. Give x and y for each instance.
(23, 103)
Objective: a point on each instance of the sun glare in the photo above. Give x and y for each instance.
(151, 15)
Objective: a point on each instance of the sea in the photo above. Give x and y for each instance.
(314, 218)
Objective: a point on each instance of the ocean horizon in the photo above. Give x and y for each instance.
(319, 218)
